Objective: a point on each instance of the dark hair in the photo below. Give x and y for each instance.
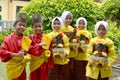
(36, 22)
(56, 19)
(15, 22)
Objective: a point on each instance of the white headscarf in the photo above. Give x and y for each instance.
(98, 25)
(64, 14)
(81, 18)
(54, 20)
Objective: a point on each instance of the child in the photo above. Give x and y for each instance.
(101, 54)
(13, 50)
(60, 50)
(67, 20)
(83, 37)
(67, 29)
(39, 55)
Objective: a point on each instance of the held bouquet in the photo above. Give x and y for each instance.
(58, 46)
(74, 40)
(99, 58)
(83, 40)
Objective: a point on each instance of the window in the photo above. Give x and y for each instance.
(0, 17)
(0, 8)
(18, 9)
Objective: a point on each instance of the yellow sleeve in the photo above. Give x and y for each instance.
(111, 52)
(66, 43)
(90, 48)
(89, 36)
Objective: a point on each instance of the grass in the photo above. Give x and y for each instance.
(3, 71)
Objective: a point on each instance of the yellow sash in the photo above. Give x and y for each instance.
(15, 66)
(26, 43)
(46, 39)
(36, 62)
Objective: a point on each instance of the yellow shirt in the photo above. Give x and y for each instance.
(57, 60)
(81, 55)
(93, 73)
(68, 29)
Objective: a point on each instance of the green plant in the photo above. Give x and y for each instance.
(52, 8)
(111, 9)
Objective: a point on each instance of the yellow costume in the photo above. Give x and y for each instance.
(59, 60)
(68, 30)
(81, 55)
(93, 73)
(16, 65)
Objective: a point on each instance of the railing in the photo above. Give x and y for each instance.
(6, 25)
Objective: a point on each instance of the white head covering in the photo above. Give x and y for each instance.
(55, 19)
(64, 14)
(98, 25)
(81, 18)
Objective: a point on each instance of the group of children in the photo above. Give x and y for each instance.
(66, 53)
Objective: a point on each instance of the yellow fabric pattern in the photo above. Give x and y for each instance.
(36, 62)
(26, 43)
(93, 73)
(15, 66)
(82, 56)
(59, 60)
(46, 39)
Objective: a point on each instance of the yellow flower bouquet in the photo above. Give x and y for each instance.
(58, 46)
(73, 38)
(83, 40)
(99, 57)
(74, 41)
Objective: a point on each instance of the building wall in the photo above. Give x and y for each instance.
(18, 3)
(9, 8)
(4, 6)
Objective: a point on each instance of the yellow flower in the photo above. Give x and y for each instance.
(82, 32)
(95, 52)
(74, 40)
(60, 45)
(104, 54)
(82, 41)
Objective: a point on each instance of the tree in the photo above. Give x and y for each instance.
(52, 8)
(111, 10)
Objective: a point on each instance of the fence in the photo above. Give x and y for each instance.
(6, 25)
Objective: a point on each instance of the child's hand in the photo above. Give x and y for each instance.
(42, 44)
(21, 53)
(90, 65)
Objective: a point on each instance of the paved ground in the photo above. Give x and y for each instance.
(116, 71)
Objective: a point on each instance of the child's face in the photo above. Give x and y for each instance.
(57, 25)
(81, 25)
(19, 28)
(38, 27)
(68, 19)
(101, 30)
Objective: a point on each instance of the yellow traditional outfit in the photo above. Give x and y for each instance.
(80, 62)
(92, 71)
(60, 52)
(39, 54)
(12, 45)
(68, 29)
